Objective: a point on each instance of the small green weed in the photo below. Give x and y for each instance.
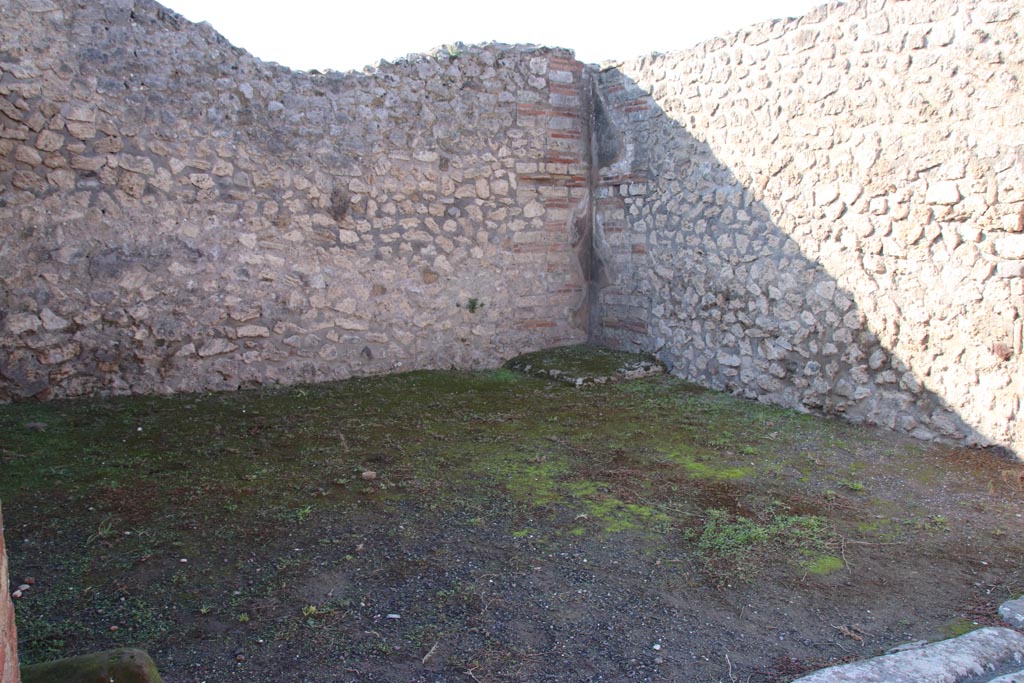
(103, 532)
(472, 305)
(935, 523)
(311, 612)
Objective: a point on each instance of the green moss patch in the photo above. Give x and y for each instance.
(959, 626)
(822, 565)
(699, 467)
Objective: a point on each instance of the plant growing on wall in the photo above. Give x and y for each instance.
(472, 304)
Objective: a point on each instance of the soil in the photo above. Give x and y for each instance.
(491, 526)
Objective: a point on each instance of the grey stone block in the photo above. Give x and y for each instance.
(1012, 612)
(957, 660)
(1017, 677)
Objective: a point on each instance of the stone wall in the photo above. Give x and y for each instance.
(827, 213)
(178, 215)
(8, 633)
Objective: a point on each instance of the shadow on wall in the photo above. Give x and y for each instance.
(758, 247)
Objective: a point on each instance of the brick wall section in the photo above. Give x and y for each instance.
(554, 188)
(834, 214)
(190, 218)
(8, 632)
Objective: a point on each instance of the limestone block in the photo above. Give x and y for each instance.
(81, 112)
(81, 129)
(1013, 222)
(201, 180)
(60, 353)
(944, 192)
(729, 360)
(1011, 246)
(132, 184)
(825, 195)
(533, 209)
(27, 180)
(19, 323)
(253, 331)
(216, 347)
(53, 322)
(61, 178)
(27, 155)
(1010, 269)
(109, 145)
(136, 164)
(88, 163)
(358, 186)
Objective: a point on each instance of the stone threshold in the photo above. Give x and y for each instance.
(987, 655)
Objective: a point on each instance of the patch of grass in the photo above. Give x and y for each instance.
(61, 618)
(40, 638)
(615, 514)
(528, 478)
(734, 546)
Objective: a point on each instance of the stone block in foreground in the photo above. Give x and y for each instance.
(124, 665)
(1010, 678)
(1012, 612)
(970, 658)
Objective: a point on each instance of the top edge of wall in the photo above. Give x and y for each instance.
(754, 34)
(150, 11)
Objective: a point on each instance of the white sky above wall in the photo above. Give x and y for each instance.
(344, 35)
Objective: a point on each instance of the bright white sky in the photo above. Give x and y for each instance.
(346, 34)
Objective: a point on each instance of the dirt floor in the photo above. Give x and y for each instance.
(458, 527)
